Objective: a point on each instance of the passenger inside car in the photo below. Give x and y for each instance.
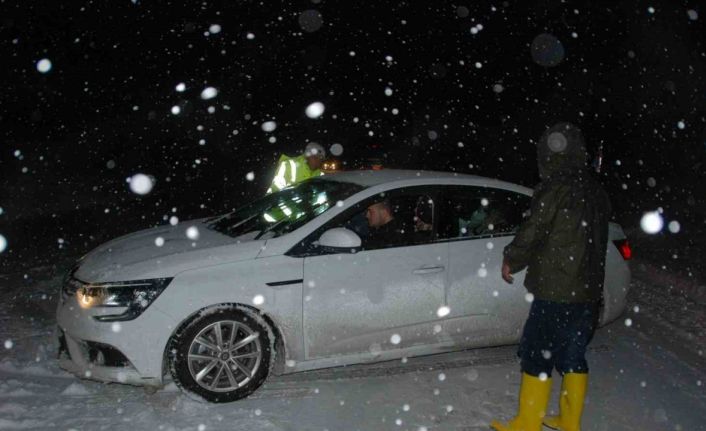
(486, 218)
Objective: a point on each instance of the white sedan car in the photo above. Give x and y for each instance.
(296, 281)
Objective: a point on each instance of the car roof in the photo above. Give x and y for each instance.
(370, 178)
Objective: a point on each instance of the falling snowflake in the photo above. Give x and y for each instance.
(652, 222)
(310, 20)
(674, 226)
(44, 65)
(472, 375)
(258, 300)
(315, 110)
(547, 50)
(443, 311)
(192, 233)
(269, 126)
(336, 149)
(140, 184)
(209, 93)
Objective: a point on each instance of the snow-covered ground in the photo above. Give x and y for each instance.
(648, 373)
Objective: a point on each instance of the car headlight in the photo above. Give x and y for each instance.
(135, 295)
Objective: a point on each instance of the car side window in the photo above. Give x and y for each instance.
(410, 221)
(473, 212)
(397, 218)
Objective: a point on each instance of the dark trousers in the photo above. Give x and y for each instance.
(556, 335)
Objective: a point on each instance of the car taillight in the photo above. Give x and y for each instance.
(624, 248)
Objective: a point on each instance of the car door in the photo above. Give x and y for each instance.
(479, 222)
(384, 296)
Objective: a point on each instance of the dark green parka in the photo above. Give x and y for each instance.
(563, 242)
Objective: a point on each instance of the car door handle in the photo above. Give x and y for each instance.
(428, 270)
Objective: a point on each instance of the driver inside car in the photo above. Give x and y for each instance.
(384, 227)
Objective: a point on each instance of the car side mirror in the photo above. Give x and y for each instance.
(340, 240)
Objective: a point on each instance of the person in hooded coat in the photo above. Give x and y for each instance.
(563, 246)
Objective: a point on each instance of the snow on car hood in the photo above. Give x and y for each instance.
(137, 256)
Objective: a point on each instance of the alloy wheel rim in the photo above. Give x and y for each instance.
(224, 356)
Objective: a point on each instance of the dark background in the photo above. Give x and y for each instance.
(71, 137)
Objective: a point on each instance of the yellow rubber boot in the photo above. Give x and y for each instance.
(573, 392)
(534, 397)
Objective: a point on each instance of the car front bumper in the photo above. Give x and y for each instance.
(130, 352)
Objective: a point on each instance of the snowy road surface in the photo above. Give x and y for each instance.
(648, 373)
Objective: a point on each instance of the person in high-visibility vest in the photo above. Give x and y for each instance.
(293, 170)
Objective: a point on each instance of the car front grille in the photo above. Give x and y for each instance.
(106, 355)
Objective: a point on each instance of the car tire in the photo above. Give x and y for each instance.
(226, 367)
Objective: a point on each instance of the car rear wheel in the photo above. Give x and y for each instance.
(222, 355)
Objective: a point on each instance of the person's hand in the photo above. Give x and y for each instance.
(506, 272)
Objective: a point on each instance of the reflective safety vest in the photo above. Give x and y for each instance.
(290, 171)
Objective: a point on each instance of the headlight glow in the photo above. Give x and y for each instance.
(135, 296)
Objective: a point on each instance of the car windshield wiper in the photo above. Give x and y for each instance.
(271, 228)
(220, 224)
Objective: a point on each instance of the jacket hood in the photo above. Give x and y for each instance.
(561, 150)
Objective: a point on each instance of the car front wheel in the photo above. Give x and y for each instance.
(222, 355)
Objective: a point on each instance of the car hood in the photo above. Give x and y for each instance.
(137, 256)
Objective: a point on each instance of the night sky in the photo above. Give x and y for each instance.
(421, 85)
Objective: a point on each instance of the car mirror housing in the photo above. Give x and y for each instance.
(340, 239)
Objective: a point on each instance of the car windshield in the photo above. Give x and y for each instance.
(279, 213)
